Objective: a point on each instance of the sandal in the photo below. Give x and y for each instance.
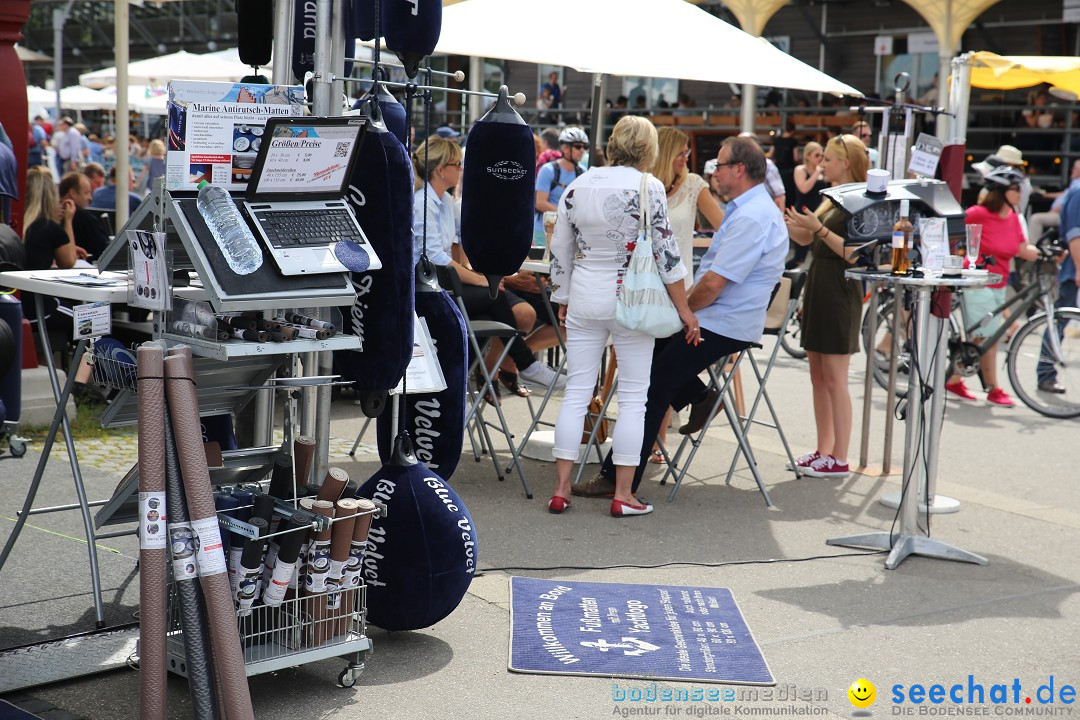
(491, 398)
(509, 380)
(656, 458)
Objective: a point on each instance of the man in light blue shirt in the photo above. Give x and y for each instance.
(730, 297)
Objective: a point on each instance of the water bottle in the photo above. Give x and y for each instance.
(234, 238)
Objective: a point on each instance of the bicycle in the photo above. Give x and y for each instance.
(1030, 344)
(791, 337)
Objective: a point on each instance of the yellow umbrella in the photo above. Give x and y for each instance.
(997, 72)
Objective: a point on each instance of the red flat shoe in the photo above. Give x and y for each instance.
(621, 509)
(557, 504)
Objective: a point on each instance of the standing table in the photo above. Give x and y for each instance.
(925, 413)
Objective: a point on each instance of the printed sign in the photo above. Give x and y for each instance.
(216, 129)
(424, 374)
(926, 155)
(150, 272)
(92, 320)
(642, 631)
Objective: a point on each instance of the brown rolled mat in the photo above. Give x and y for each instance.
(153, 546)
(303, 458)
(317, 571)
(354, 566)
(333, 485)
(224, 639)
(327, 615)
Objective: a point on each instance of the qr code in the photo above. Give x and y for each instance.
(342, 150)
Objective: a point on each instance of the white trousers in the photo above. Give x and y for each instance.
(585, 343)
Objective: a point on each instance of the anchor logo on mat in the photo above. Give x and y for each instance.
(629, 645)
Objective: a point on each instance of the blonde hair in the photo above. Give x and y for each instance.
(670, 143)
(156, 149)
(440, 151)
(633, 143)
(852, 150)
(809, 148)
(42, 200)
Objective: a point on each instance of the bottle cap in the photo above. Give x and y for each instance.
(905, 206)
(203, 182)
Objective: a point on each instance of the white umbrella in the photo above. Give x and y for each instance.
(175, 66)
(625, 39)
(78, 97)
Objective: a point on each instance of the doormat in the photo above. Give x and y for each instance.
(10, 712)
(653, 632)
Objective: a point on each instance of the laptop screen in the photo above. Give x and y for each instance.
(305, 157)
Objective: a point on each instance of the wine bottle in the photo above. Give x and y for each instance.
(901, 241)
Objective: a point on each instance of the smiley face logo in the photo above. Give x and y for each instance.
(862, 693)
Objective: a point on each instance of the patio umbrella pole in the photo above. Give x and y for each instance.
(596, 128)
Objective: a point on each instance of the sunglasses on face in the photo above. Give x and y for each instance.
(579, 146)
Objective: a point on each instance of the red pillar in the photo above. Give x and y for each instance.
(13, 110)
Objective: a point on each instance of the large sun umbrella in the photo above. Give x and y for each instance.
(175, 66)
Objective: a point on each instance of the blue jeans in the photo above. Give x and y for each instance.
(1066, 298)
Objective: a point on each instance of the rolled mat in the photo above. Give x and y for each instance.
(153, 550)
(281, 479)
(201, 684)
(326, 608)
(333, 485)
(318, 551)
(354, 566)
(224, 639)
(303, 458)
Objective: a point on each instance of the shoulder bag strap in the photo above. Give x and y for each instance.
(643, 201)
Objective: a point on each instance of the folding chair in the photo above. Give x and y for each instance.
(720, 377)
(781, 309)
(481, 333)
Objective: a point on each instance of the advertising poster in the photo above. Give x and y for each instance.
(215, 130)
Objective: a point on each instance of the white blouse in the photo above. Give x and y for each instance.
(682, 213)
(595, 234)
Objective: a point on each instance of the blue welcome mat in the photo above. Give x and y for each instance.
(10, 712)
(654, 632)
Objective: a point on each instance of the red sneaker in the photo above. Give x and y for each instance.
(1000, 397)
(959, 389)
(826, 466)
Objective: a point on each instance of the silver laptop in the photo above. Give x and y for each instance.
(296, 195)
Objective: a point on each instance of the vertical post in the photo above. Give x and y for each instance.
(868, 379)
(337, 56)
(123, 117)
(476, 84)
(824, 35)
(321, 87)
(596, 128)
(283, 23)
(59, 17)
(749, 107)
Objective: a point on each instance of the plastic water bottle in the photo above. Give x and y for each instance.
(234, 238)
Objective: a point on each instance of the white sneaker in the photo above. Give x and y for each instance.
(542, 375)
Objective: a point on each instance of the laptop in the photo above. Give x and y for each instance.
(296, 198)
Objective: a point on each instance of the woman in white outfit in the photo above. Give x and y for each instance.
(594, 237)
(687, 195)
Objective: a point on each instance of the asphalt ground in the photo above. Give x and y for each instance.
(821, 622)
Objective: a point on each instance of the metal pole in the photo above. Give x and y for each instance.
(868, 380)
(123, 117)
(283, 23)
(321, 84)
(890, 387)
(476, 84)
(599, 90)
(337, 57)
(749, 107)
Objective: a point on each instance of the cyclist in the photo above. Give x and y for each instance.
(1002, 239)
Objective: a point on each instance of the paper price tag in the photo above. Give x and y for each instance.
(209, 551)
(926, 155)
(92, 320)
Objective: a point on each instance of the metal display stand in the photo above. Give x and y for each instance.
(922, 436)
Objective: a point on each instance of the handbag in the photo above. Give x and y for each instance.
(596, 405)
(642, 303)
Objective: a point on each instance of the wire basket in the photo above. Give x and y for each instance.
(113, 369)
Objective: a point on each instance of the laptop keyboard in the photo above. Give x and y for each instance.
(307, 228)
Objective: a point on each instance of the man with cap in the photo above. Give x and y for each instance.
(447, 132)
(553, 177)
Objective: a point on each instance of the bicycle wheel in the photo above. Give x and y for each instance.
(791, 338)
(876, 333)
(1026, 351)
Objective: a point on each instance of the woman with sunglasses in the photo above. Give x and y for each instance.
(832, 308)
(687, 195)
(809, 180)
(1002, 240)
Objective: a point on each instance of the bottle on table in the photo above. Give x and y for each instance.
(901, 241)
(230, 231)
